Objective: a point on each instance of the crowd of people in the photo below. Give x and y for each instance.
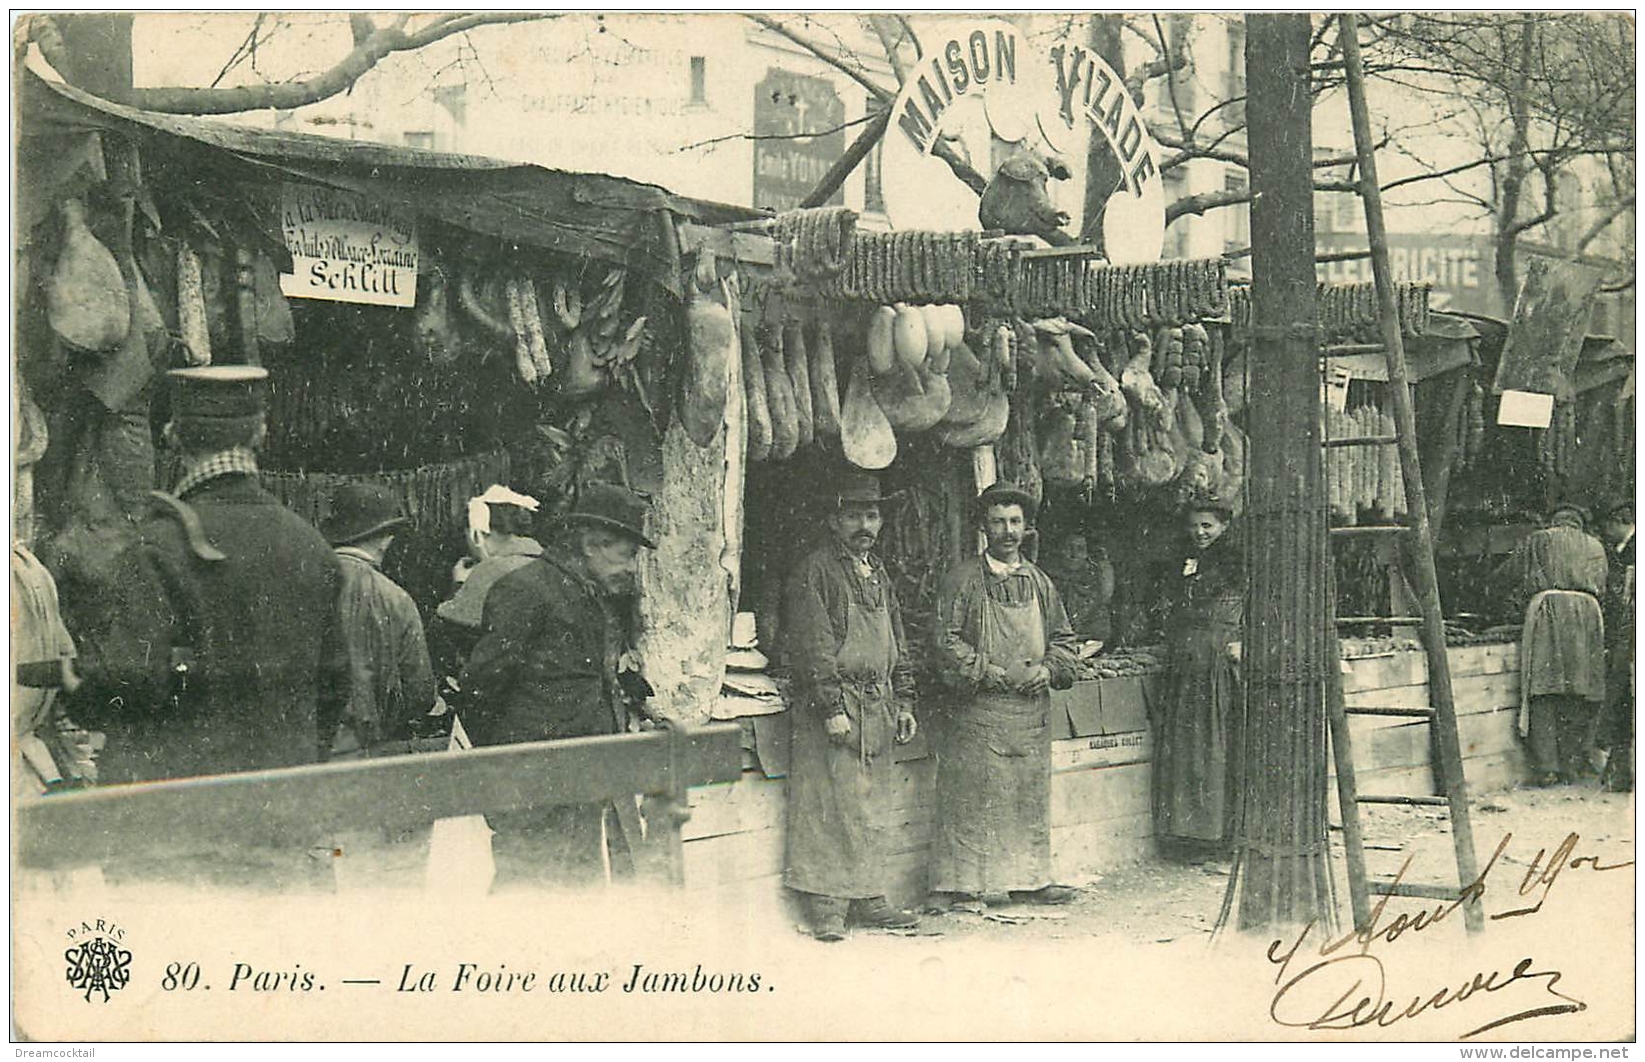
(238, 637)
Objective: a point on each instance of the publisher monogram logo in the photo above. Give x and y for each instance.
(98, 963)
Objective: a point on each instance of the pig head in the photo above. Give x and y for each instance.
(1016, 199)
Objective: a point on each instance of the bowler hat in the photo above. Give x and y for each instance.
(611, 506)
(218, 391)
(360, 511)
(858, 488)
(1008, 494)
(1581, 512)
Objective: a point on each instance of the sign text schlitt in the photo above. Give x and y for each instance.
(345, 248)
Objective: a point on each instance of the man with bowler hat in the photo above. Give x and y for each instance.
(545, 667)
(222, 651)
(844, 646)
(392, 681)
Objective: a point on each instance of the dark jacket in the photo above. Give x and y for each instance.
(545, 665)
(392, 681)
(269, 670)
(814, 620)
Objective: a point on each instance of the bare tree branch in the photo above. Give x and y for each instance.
(879, 92)
(366, 54)
(1603, 222)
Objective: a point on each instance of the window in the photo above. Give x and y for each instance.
(1235, 112)
(1238, 232)
(1175, 184)
(420, 138)
(873, 192)
(699, 81)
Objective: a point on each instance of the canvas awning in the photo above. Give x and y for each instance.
(1446, 345)
(597, 216)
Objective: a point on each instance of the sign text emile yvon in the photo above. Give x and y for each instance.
(345, 248)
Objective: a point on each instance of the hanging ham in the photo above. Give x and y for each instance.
(865, 433)
(86, 298)
(711, 344)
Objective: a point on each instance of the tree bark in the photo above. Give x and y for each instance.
(1281, 869)
(1514, 172)
(1102, 167)
(96, 54)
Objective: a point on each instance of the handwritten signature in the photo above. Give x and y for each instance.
(1347, 988)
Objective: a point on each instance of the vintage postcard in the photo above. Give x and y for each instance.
(776, 526)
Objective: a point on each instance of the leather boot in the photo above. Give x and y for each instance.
(828, 917)
(876, 913)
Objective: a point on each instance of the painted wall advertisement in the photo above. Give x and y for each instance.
(345, 248)
(789, 105)
(1462, 269)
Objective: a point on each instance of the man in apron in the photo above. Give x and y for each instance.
(843, 644)
(1557, 576)
(1003, 643)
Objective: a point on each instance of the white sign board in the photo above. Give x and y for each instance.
(1525, 409)
(345, 248)
(989, 91)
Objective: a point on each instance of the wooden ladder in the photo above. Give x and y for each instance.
(1440, 713)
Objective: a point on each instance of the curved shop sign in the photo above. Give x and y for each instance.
(986, 91)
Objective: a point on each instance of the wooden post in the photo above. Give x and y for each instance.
(1281, 871)
(849, 161)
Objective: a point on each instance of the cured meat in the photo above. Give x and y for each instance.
(880, 345)
(711, 343)
(1061, 459)
(524, 364)
(582, 375)
(966, 382)
(825, 387)
(908, 336)
(914, 400)
(759, 408)
(799, 378)
(1137, 380)
(865, 432)
(986, 429)
(274, 324)
(785, 417)
(86, 298)
(191, 306)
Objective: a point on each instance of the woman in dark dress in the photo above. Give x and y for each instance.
(1197, 727)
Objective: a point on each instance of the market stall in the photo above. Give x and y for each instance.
(433, 323)
(541, 329)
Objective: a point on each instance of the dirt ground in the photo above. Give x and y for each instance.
(1158, 902)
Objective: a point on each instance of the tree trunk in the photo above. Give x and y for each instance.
(1515, 169)
(1281, 869)
(1102, 167)
(98, 54)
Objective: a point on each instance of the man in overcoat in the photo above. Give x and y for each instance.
(222, 649)
(1557, 577)
(854, 685)
(546, 667)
